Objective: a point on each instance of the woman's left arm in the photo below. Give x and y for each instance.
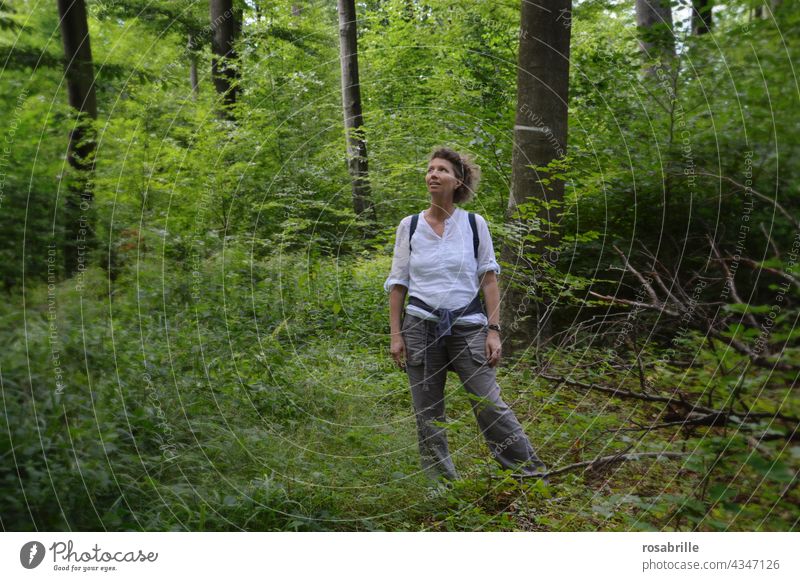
(491, 295)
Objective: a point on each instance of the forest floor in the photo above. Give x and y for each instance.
(204, 401)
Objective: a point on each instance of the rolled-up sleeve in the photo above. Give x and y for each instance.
(399, 273)
(486, 258)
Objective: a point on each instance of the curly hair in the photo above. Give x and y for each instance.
(466, 171)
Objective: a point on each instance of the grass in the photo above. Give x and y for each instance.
(226, 409)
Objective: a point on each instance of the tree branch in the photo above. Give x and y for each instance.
(756, 193)
(672, 401)
(605, 461)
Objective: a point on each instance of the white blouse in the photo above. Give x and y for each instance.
(442, 271)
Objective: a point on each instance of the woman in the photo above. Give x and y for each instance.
(442, 258)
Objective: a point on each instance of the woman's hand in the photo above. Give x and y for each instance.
(493, 348)
(398, 350)
(491, 294)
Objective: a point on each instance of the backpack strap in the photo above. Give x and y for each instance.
(472, 224)
(414, 220)
(475, 239)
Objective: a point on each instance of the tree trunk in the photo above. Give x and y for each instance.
(540, 136)
(760, 14)
(701, 16)
(193, 68)
(656, 41)
(79, 74)
(223, 73)
(353, 120)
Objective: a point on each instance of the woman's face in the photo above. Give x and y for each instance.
(441, 178)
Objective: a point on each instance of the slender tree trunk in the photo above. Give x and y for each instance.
(238, 22)
(223, 72)
(79, 74)
(193, 68)
(353, 119)
(656, 40)
(760, 13)
(540, 136)
(701, 16)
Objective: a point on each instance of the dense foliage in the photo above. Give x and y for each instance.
(222, 363)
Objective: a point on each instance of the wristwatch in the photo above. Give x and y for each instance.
(494, 327)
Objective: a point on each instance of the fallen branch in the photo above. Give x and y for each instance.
(647, 286)
(604, 462)
(755, 265)
(716, 421)
(625, 393)
(756, 193)
(669, 400)
(660, 307)
(738, 346)
(711, 420)
(687, 311)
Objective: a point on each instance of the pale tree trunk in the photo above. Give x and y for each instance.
(701, 16)
(195, 84)
(656, 40)
(353, 119)
(79, 74)
(223, 73)
(760, 13)
(540, 136)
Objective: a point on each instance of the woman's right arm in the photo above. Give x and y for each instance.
(397, 297)
(397, 287)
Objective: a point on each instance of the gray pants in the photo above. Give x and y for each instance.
(465, 353)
